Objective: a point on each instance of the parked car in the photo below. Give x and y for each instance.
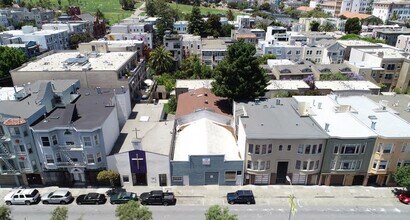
(123, 197)
(22, 196)
(91, 198)
(157, 197)
(241, 197)
(405, 197)
(57, 197)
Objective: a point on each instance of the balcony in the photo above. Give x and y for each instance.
(69, 147)
(9, 172)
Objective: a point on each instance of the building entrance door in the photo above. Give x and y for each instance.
(281, 172)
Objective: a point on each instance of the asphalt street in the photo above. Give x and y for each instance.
(189, 212)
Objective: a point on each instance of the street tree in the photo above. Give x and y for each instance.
(213, 25)
(238, 75)
(59, 213)
(160, 60)
(402, 176)
(5, 213)
(99, 14)
(229, 15)
(6, 2)
(10, 58)
(108, 176)
(353, 26)
(196, 25)
(216, 212)
(262, 25)
(133, 210)
(314, 26)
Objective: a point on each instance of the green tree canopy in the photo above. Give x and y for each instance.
(402, 176)
(133, 210)
(160, 60)
(216, 212)
(358, 37)
(229, 15)
(10, 58)
(353, 26)
(213, 25)
(196, 25)
(5, 213)
(333, 76)
(238, 75)
(264, 58)
(110, 176)
(166, 80)
(171, 106)
(192, 68)
(127, 4)
(327, 27)
(59, 213)
(226, 30)
(315, 13)
(314, 26)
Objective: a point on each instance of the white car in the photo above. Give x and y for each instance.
(57, 197)
(22, 196)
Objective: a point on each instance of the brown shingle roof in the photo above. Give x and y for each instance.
(200, 99)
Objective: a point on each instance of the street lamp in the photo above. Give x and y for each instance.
(291, 198)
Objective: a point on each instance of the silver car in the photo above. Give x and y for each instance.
(57, 197)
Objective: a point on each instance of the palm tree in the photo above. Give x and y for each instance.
(327, 27)
(160, 60)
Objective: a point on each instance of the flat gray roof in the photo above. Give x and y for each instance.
(397, 104)
(267, 120)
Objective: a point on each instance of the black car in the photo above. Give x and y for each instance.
(91, 198)
(123, 197)
(241, 197)
(158, 197)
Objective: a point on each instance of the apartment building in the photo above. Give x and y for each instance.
(37, 15)
(348, 152)
(213, 51)
(276, 142)
(106, 46)
(390, 36)
(403, 42)
(191, 45)
(173, 43)
(386, 10)
(347, 45)
(104, 70)
(392, 148)
(181, 27)
(132, 31)
(71, 27)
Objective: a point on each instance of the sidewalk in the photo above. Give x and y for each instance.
(275, 195)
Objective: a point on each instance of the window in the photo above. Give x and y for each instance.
(96, 140)
(29, 149)
(49, 158)
(336, 149)
(22, 149)
(375, 164)
(15, 131)
(399, 163)
(403, 148)
(257, 149)
(332, 164)
(305, 165)
(280, 147)
(255, 165)
(314, 149)
(45, 141)
(319, 150)
(250, 148)
(388, 148)
(87, 142)
(316, 164)
(1, 131)
(69, 143)
(269, 148)
(264, 149)
(358, 165)
(297, 167)
(22, 165)
(363, 148)
(311, 164)
(379, 148)
(58, 157)
(383, 164)
(176, 179)
(347, 165)
(262, 165)
(98, 157)
(90, 158)
(289, 147)
(249, 166)
(230, 175)
(54, 139)
(300, 149)
(267, 165)
(307, 149)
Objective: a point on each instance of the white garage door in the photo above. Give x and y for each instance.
(299, 178)
(262, 179)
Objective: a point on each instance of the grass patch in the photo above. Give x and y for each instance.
(111, 8)
(186, 9)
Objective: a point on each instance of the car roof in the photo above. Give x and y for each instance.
(245, 192)
(156, 192)
(60, 192)
(93, 195)
(25, 191)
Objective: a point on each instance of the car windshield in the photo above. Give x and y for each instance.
(67, 194)
(50, 194)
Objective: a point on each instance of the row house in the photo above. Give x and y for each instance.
(132, 31)
(213, 51)
(191, 45)
(173, 44)
(20, 15)
(19, 163)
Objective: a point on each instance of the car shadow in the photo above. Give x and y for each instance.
(398, 191)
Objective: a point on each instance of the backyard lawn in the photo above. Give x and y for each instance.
(186, 9)
(111, 8)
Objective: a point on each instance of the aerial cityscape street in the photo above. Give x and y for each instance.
(194, 109)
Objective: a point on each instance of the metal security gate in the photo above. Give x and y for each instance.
(299, 178)
(8, 180)
(211, 178)
(262, 179)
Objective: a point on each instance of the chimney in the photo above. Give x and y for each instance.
(327, 127)
(277, 101)
(319, 105)
(373, 125)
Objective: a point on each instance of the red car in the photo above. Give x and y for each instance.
(405, 197)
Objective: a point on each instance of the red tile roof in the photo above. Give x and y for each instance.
(14, 122)
(202, 98)
(304, 8)
(349, 14)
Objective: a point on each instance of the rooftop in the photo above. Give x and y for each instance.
(276, 62)
(349, 14)
(205, 137)
(384, 52)
(387, 124)
(14, 121)
(201, 99)
(287, 85)
(7, 93)
(333, 116)
(213, 44)
(75, 61)
(194, 83)
(346, 85)
(304, 8)
(362, 43)
(397, 104)
(333, 4)
(277, 119)
(153, 134)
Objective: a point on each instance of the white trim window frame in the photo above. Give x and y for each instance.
(88, 142)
